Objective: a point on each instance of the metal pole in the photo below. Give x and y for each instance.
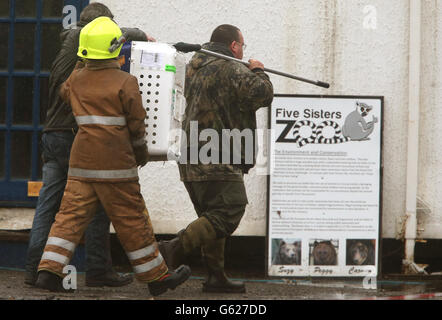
(413, 129)
(284, 74)
(187, 47)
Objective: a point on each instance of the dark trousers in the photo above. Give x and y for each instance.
(56, 150)
(223, 203)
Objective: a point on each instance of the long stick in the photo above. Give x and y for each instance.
(186, 47)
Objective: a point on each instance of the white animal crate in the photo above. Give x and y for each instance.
(160, 70)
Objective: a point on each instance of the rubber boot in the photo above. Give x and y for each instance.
(194, 236)
(109, 279)
(217, 281)
(173, 251)
(49, 281)
(169, 281)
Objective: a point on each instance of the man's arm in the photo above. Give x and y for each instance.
(135, 114)
(254, 86)
(135, 34)
(65, 91)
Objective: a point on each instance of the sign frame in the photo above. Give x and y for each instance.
(378, 253)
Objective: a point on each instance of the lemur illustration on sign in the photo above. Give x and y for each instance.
(355, 127)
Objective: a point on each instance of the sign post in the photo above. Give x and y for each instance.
(324, 208)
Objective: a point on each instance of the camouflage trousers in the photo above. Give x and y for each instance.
(223, 203)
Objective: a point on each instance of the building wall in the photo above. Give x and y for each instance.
(430, 154)
(330, 40)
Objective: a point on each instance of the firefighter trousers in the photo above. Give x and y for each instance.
(127, 211)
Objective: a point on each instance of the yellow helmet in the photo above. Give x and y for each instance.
(96, 38)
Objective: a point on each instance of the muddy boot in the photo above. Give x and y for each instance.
(217, 281)
(30, 278)
(194, 236)
(109, 279)
(173, 251)
(50, 281)
(170, 280)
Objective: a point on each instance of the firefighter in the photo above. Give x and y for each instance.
(107, 149)
(221, 95)
(56, 142)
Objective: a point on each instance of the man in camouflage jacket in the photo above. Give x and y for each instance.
(221, 96)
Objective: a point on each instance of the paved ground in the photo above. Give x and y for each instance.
(12, 287)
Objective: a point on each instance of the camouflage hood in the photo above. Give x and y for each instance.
(200, 60)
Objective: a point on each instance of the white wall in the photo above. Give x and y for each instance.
(321, 40)
(430, 155)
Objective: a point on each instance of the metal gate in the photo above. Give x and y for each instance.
(29, 35)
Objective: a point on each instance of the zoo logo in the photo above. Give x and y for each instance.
(317, 133)
(355, 128)
(316, 136)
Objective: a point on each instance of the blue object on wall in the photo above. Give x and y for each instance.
(126, 52)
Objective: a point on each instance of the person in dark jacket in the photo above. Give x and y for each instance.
(58, 135)
(222, 97)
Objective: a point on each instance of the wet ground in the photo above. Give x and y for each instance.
(12, 287)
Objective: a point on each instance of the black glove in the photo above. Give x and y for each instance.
(141, 155)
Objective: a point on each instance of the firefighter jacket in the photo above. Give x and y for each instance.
(222, 95)
(106, 103)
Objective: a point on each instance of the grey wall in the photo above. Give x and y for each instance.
(329, 40)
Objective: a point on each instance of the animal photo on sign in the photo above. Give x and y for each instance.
(360, 252)
(286, 252)
(324, 252)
